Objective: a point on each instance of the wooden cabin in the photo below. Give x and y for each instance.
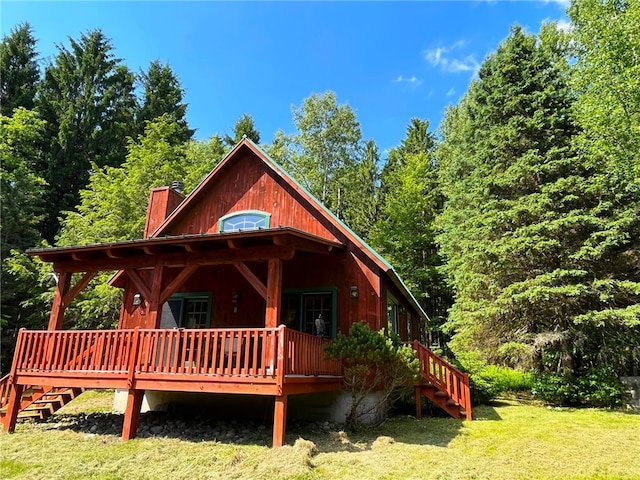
(235, 289)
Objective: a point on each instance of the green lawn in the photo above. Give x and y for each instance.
(506, 441)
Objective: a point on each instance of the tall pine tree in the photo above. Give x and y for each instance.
(520, 217)
(87, 100)
(19, 73)
(162, 94)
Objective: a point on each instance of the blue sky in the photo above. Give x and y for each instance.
(390, 61)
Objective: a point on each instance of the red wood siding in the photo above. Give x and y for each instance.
(337, 270)
(248, 184)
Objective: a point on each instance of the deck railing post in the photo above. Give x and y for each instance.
(467, 397)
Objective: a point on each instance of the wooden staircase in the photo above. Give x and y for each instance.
(443, 384)
(37, 402)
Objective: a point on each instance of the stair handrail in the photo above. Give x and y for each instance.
(444, 376)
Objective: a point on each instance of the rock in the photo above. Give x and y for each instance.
(156, 429)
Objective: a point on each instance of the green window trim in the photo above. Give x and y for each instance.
(184, 297)
(259, 218)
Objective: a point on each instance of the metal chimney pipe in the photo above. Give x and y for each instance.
(177, 185)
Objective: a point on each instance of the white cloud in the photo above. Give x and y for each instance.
(564, 25)
(562, 3)
(410, 80)
(451, 92)
(443, 58)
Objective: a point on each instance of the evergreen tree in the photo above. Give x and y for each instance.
(521, 226)
(163, 94)
(19, 74)
(87, 101)
(244, 126)
(405, 232)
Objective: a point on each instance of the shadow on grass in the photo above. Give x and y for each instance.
(437, 430)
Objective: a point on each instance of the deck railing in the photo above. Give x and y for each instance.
(223, 352)
(447, 378)
(305, 355)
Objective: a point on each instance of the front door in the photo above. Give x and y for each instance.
(317, 313)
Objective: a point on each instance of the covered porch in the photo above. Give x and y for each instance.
(272, 360)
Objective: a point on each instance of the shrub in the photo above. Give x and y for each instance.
(373, 362)
(489, 381)
(507, 379)
(597, 387)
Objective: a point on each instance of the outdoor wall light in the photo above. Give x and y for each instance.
(235, 298)
(137, 300)
(354, 291)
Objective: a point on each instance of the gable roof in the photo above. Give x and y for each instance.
(246, 143)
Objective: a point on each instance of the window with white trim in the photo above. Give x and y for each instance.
(243, 221)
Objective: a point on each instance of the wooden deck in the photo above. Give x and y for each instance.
(267, 361)
(257, 361)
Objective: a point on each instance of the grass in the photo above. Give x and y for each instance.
(508, 440)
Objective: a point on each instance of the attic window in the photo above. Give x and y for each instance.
(243, 221)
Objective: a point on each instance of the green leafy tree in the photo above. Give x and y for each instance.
(326, 149)
(22, 188)
(404, 232)
(162, 94)
(22, 207)
(245, 126)
(19, 73)
(87, 99)
(114, 205)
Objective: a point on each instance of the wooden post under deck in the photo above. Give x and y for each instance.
(132, 414)
(279, 420)
(13, 408)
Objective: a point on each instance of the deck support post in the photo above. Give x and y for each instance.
(279, 420)
(132, 414)
(13, 408)
(274, 292)
(418, 402)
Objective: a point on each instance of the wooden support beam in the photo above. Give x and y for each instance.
(13, 408)
(177, 282)
(252, 279)
(132, 414)
(279, 420)
(154, 317)
(302, 244)
(77, 288)
(139, 283)
(57, 310)
(274, 292)
(209, 257)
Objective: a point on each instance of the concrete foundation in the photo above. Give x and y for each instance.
(327, 406)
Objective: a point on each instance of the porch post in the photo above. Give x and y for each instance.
(279, 420)
(57, 310)
(274, 292)
(154, 317)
